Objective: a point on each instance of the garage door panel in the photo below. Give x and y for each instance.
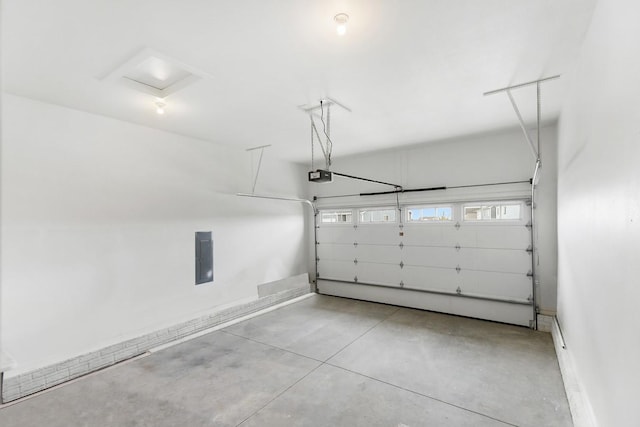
(376, 253)
(337, 270)
(504, 260)
(430, 256)
(382, 274)
(491, 310)
(493, 284)
(465, 237)
(336, 234)
(511, 237)
(465, 269)
(517, 314)
(331, 251)
(466, 259)
(378, 234)
(427, 278)
(428, 234)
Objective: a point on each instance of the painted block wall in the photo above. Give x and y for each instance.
(599, 214)
(98, 224)
(497, 157)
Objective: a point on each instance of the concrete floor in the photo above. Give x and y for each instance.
(323, 361)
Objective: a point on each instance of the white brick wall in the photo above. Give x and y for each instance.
(49, 376)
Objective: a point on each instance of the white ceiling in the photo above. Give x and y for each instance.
(411, 71)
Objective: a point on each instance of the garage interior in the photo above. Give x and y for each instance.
(319, 213)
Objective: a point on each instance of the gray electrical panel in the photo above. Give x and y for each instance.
(204, 257)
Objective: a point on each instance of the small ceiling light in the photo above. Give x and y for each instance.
(160, 104)
(341, 20)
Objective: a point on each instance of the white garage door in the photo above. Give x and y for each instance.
(471, 259)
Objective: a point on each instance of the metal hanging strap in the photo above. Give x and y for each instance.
(324, 151)
(327, 146)
(535, 147)
(255, 178)
(522, 125)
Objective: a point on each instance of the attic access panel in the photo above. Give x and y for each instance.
(154, 73)
(204, 257)
(157, 73)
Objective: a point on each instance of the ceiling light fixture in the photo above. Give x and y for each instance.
(160, 104)
(341, 20)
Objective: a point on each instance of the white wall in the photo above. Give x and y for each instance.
(599, 214)
(98, 222)
(489, 158)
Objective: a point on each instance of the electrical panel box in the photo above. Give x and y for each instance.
(320, 175)
(204, 257)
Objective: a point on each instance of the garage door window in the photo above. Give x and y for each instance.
(377, 215)
(336, 216)
(430, 214)
(493, 212)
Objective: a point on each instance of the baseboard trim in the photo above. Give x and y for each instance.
(50, 376)
(579, 404)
